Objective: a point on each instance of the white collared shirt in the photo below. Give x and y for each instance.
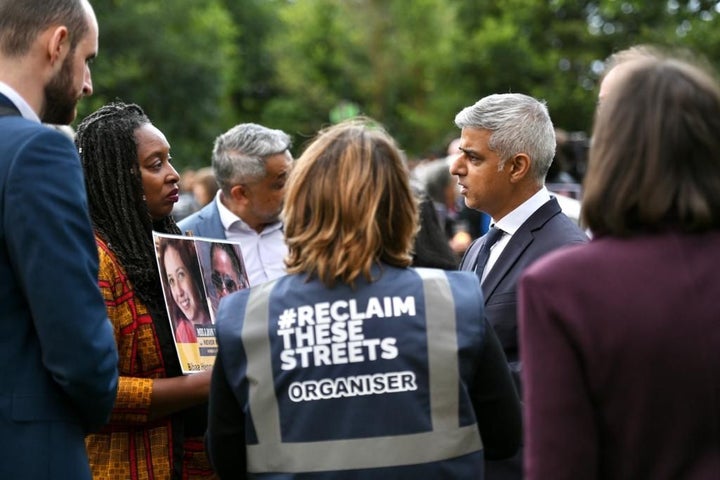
(511, 222)
(25, 110)
(263, 253)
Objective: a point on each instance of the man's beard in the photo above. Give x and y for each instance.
(60, 97)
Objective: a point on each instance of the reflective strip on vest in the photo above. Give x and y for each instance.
(446, 440)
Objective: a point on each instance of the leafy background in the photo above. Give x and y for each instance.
(200, 66)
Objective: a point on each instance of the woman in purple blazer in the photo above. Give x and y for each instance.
(620, 337)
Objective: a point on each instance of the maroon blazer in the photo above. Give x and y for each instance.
(620, 340)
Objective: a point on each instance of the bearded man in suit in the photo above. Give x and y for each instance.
(58, 360)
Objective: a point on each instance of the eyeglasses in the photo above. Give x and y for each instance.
(223, 282)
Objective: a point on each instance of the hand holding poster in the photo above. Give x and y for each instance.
(196, 273)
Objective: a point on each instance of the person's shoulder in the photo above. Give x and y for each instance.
(276, 287)
(19, 123)
(106, 256)
(570, 207)
(462, 276)
(48, 132)
(559, 227)
(463, 287)
(104, 253)
(570, 227)
(26, 133)
(111, 272)
(47, 145)
(231, 311)
(198, 218)
(41, 156)
(203, 214)
(455, 277)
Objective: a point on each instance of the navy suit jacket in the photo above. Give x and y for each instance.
(58, 360)
(204, 223)
(546, 229)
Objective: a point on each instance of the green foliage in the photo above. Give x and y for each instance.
(175, 58)
(251, 90)
(199, 66)
(391, 58)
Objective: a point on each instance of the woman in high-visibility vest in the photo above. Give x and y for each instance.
(355, 365)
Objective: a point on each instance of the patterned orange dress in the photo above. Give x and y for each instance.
(132, 447)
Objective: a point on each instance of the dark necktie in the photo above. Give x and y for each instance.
(490, 238)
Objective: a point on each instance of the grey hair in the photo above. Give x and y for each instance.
(519, 124)
(239, 155)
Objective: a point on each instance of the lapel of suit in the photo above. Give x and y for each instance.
(215, 224)
(470, 257)
(6, 111)
(7, 108)
(517, 245)
(208, 224)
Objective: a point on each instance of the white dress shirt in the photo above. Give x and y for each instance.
(263, 253)
(25, 110)
(511, 222)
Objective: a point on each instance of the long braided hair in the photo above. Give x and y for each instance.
(108, 152)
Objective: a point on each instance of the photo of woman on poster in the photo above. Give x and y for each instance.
(186, 300)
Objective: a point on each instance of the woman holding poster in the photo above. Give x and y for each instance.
(159, 417)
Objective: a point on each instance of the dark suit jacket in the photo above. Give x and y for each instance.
(546, 229)
(58, 361)
(204, 223)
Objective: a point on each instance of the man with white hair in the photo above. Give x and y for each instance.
(507, 145)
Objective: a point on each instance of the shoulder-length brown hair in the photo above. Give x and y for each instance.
(655, 156)
(348, 205)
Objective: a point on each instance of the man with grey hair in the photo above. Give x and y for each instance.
(507, 145)
(251, 164)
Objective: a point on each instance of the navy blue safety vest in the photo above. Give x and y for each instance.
(349, 380)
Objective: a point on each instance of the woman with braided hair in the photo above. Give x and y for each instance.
(159, 418)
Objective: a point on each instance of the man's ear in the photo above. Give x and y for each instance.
(239, 193)
(519, 166)
(58, 45)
